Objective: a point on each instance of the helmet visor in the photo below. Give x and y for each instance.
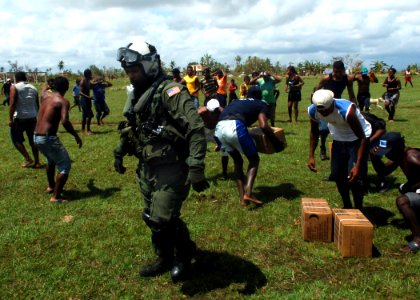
(128, 56)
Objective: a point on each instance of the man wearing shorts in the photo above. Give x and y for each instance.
(54, 109)
(350, 132)
(392, 95)
(24, 104)
(233, 136)
(408, 159)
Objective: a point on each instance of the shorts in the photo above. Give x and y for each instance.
(343, 159)
(101, 107)
(392, 98)
(86, 105)
(414, 199)
(54, 151)
(271, 112)
(222, 99)
(294, 96)
(363, 100)
(233, 135)
(76, 100)
(19, 127)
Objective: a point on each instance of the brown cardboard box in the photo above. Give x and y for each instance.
(354, 234)
(314, 202)
(262, 142)
(316, 220)
(341, 213)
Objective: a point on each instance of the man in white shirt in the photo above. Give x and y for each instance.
(350, 132)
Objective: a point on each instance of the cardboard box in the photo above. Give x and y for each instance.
(314, 202)
(262, 142)
(316, 220)
(354, 234)
(338, 213)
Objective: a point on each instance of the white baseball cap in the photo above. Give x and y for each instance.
(323, 98)
(212, 105)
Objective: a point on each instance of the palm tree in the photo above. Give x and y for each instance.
(61, 66)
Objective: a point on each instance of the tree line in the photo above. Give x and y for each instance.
(241, 66)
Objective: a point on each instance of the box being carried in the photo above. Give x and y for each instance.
(316, 220)
(353, 233)
(262, 142)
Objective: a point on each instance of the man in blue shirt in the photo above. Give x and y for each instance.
(102, 109)
(233, 137)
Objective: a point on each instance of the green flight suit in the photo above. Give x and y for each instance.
(167, 165)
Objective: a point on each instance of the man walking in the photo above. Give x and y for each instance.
(169, 140)
(86, 101)
(23, 110)
(55, 108)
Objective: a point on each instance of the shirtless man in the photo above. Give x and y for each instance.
(55, 108)
(392, 145)
(363, 94)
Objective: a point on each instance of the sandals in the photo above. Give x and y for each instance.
(412, 247)
(27, 163)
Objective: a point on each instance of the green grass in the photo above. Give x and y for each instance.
(244, 251)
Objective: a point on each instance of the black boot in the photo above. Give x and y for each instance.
(160, 266)
(162, 241)
(185, 251)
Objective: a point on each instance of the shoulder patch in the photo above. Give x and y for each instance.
(173, 91)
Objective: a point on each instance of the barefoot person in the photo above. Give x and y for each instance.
(23, 110)
(233, 136)
(54, 109)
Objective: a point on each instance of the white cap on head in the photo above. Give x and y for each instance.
(323, 98)
(212, 105)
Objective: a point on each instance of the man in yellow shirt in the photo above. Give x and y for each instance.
(221, 79)
(243, 90)
(193, 85)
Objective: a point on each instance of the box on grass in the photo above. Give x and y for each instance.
(353, 233)
(316, 220)
(262, 142)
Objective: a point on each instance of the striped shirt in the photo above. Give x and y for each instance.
(209, 86)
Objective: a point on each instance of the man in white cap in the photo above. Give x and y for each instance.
(350, 132)
(210, 114)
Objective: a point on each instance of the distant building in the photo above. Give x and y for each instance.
(198, 69)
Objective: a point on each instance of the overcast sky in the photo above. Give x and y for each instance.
(40, 33)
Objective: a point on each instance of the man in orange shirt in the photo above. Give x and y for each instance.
(193, 85)
(221, 79)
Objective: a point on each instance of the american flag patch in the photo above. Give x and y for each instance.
(173, 91)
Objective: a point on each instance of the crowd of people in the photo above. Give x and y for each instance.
(167, 130)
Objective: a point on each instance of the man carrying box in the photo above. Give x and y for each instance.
(408, 159)
(233, 136)
(350, 131)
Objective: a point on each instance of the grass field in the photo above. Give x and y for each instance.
(93, 246)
